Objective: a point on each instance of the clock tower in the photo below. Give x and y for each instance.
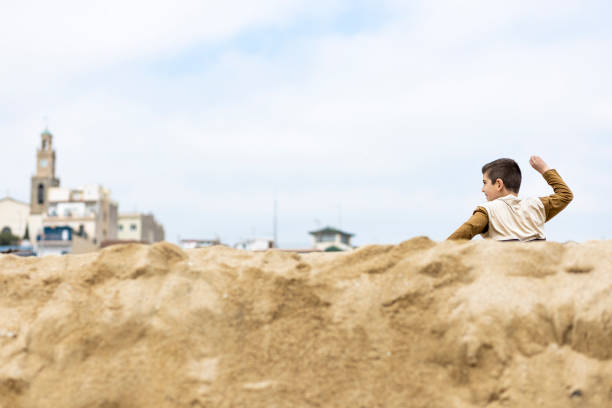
(45, 174)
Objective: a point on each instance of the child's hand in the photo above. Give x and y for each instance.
(538, 164)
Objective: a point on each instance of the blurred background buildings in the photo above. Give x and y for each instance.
(61, 220)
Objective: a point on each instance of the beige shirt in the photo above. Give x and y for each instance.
(512, 218)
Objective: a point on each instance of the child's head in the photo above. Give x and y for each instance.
(500, 177)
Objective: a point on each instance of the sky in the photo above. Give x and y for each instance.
(370, 116)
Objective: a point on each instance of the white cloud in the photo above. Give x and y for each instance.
(45, 42)
(69, 31)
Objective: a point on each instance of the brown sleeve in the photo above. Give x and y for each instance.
(477, 224)
(554, 203)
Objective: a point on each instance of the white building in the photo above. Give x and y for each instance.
(255, 244)
(139, 227)
(89, 211)
(332, 239)
(14, 216)
(198, 243)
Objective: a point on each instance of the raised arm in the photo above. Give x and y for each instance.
(477, 224)
(554, 203)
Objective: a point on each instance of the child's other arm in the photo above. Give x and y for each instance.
(554, 203)
(477, 224)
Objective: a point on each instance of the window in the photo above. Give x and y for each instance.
(345, 239)
(7, 230)
(91, 209)
(133, 227)
(41, 194)
(328, 238)
(120, 227)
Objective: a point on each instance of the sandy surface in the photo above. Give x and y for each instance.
(477, 324)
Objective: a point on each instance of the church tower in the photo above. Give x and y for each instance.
(45, 174)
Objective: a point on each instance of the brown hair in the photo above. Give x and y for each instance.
(505, 169)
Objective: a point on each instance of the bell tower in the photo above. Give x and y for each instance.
(45, 174)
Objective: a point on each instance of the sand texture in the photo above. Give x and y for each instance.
(420, 324)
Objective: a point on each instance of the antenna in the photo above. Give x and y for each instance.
(275, 222)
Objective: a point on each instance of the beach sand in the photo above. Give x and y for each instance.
(420, 324)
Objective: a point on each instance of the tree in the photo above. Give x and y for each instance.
(7, 238)
(27, 233)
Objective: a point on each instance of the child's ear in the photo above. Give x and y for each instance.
(499, 183)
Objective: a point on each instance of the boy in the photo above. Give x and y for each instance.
(506, 217)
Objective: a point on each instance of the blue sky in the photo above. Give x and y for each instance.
(375, 116)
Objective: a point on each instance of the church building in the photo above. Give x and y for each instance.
(88, 211)
(83, 218)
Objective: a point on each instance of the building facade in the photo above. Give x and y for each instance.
(89, 211)
(14, 216)
(140, 227)
(62, 240)
(331, 239)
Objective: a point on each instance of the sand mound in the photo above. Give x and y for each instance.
(415, 325)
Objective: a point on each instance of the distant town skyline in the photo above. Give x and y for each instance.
(383, 112)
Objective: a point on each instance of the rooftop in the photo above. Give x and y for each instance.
(7, 198)
(330, 230)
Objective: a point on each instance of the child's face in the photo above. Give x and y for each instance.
(490, 189)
